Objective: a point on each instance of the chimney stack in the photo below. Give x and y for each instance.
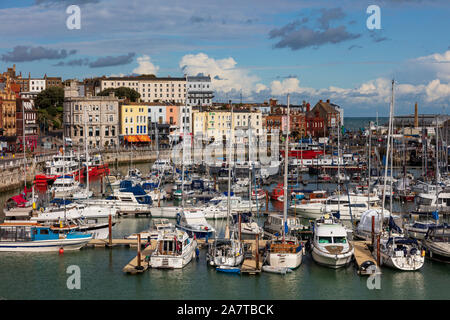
(328, 100)
(307, 107)
(416, 117)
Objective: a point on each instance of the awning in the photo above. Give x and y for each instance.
(131, 138)
(137, 138)
(144, 138)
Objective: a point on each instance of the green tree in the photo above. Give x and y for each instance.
(49, 105)
(122, 93)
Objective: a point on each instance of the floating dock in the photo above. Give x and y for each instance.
(134, 267)
(364, 258)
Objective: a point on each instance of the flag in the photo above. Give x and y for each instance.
(436, 215)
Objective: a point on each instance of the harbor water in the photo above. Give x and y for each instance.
(44, 275)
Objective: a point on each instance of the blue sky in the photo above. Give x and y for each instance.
(311, 49)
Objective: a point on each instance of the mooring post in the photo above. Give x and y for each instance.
(139, 250)
(110, 229)
(378, 250)
(373, 231)
(257, 251)
(267, 201)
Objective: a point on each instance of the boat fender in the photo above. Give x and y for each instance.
(197, 253)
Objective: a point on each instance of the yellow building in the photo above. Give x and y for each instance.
(217, 123)
(134, 122)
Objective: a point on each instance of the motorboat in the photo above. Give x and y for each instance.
(193, 221)
(28, 236)
(130, 200)
(174, 250)
(274, 225)
(330, 246)
(64, 187)
(158, 226)
(284, 252)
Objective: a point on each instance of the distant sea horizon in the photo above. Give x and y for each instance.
(356, 123)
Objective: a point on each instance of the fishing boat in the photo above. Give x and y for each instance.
(437, 243)
(27, 236)
(194, 223)
(330, 246)
(174, 250)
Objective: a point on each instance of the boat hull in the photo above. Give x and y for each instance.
(331, 260)
(286, 260)
(44, 245)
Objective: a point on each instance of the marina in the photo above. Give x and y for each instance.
(129, 248)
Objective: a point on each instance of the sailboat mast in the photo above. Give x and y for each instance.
(286, 162)
(339, 170)
(387, 153)
(369, 156)
(86, 151)
(230, 146)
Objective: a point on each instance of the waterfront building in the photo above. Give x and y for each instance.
(133, 119)
(25, 108)
(8, 109)
(327, 111)
(199, 91)
(217, 123)
(151, 88)
(102, 120)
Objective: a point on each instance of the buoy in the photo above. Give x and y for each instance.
(61, 250)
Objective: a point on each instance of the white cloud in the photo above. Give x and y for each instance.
(145, 66)
(225, 76)
(435, 90)
(438, 63)
(260, 87)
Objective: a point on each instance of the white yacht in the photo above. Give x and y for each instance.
(129, 200)
(174, 250)
(64, 187)
(225, 253)
(193, 221)
(401, 253)
(158, 226)
(330, 246)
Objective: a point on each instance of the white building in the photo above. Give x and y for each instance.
(37, 85)
(151, 89)
(200, 91)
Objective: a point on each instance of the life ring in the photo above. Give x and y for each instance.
(303, 201)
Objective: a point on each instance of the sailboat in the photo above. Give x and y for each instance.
(397, 251)
(284, 252)
(227, 253)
